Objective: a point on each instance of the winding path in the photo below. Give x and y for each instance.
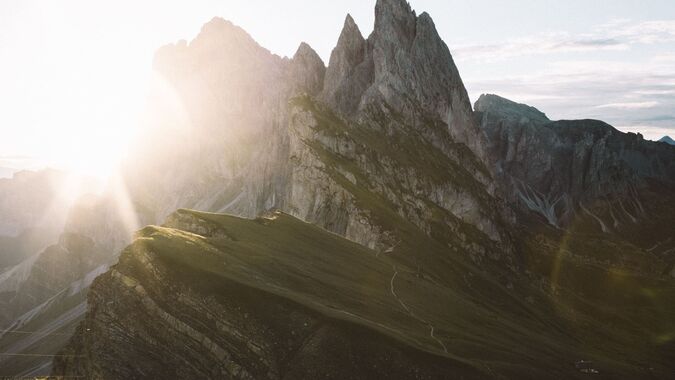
(432, 328)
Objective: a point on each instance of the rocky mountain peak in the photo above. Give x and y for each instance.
(307, 70)
(221, 37)
(218, 39)
(556, 168)
(405, 65)
(350, 26)
(507, 109)
(667, 140)
(306, 52)
(219, 24)
(348, 73)
(395, 22)
(349, 51)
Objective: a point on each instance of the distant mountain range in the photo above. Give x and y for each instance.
(667, 140)
(357, 220)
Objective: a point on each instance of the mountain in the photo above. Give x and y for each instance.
(33, 200)
(212, 296)
(34, 207)
(310, 158)
(46, 295)
(43, 269)
(253, 318)
(560, 169)
(378, 225)
(667, 140)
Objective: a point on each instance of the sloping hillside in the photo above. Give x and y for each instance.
(216, 295)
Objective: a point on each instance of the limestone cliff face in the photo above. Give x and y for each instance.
(405, 65)
(233, 96)
(261, 132)
(564, 168)
(361, 175)
(308, 71)
(349, 72)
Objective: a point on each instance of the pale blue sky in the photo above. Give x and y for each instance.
(74, 72)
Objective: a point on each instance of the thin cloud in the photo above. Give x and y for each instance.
(630, 106)
(542, 44)
(646, 32)
(637, 96)
(613, 36)
(656, 92)
(659, 118)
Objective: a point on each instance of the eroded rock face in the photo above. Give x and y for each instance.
(361, 175)
(307, 70)
(349, 71)
(40, 276)
(46, 295)
(252, 147)
(405, 65)
(561, 168)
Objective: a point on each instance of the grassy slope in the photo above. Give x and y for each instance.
(599, 286)
(479, 322)
(481, 315)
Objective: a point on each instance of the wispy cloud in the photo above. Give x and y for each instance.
(635, 96)
(614, 35)
(645, 32)
(630, 106)
(658, 118)
(541, 44)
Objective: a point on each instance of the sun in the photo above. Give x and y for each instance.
(87, 142)
(93, 157)
(89, 131)
(79, 101)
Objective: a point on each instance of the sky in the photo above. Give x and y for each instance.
(74, 74)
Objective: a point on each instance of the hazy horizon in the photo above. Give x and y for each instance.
(75, 82)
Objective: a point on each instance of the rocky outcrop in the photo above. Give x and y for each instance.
(363, 179)
(40, 276)
(349, 71)
(46, 296)
(405, 65)
(307, 70)
(667, 140)
(562, 168)
(255, 145)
